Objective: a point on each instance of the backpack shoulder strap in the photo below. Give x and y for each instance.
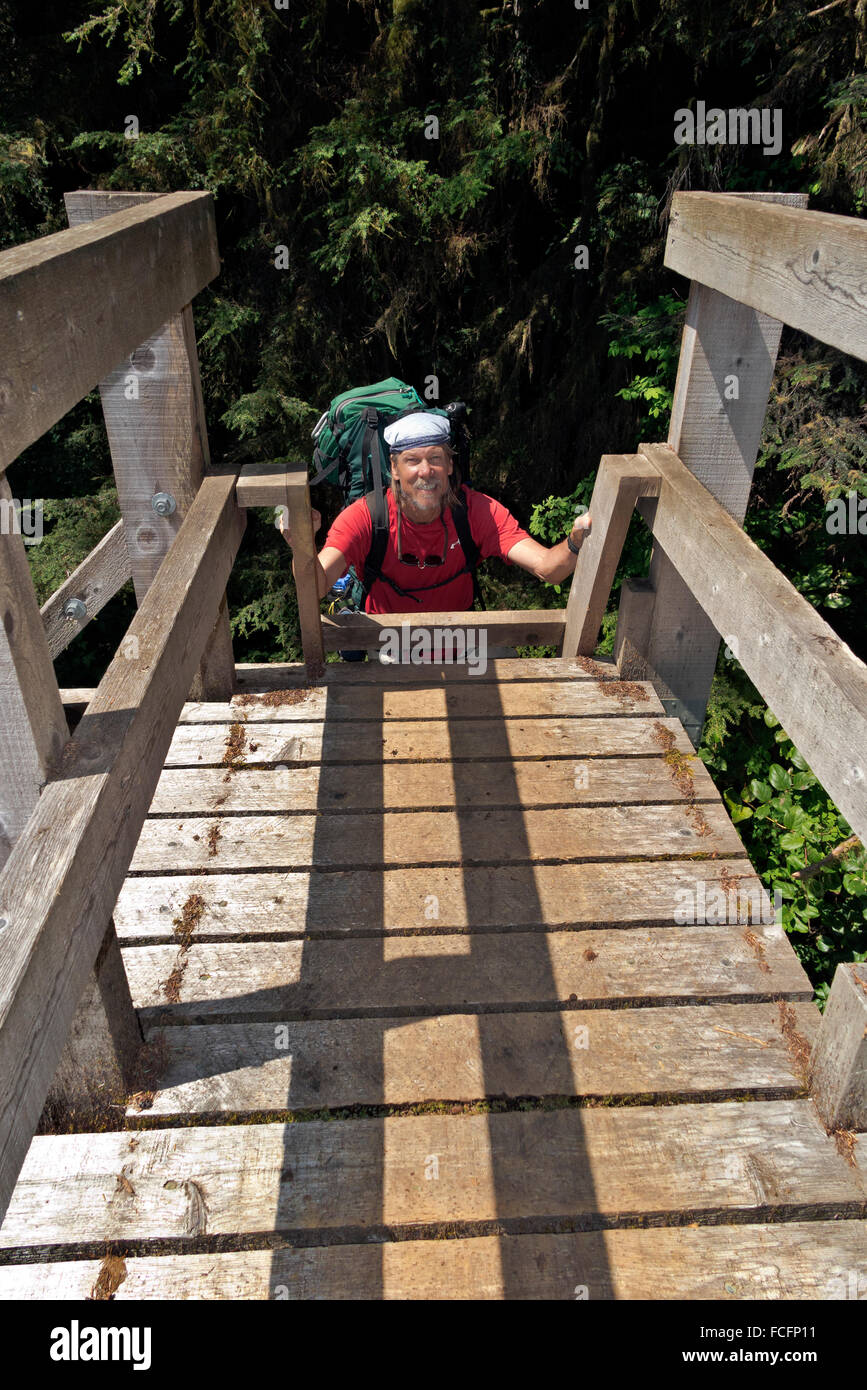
(378, 508)
(472, 554)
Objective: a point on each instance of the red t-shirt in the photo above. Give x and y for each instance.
(493, 528)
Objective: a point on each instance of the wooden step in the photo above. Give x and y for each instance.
(348, 840)
(274, 675)
(239, 982)
(425, 786)
(264, 677)
(792, 1260)
(441, 700)
(419, 740)
(528, 1172)
(435, 900)
(690, 1051)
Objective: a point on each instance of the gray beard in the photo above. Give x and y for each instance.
(408, 507)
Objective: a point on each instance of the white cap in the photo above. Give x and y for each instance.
(415, 430)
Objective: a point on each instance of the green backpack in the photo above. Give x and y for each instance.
(351, 452)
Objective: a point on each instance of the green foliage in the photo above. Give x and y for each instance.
(652, 335)
(787, 822)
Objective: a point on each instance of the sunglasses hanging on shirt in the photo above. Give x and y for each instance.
(428, 559)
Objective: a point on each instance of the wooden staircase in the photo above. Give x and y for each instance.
(453, 983)
(427, 1022)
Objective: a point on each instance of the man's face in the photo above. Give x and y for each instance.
(423, 474)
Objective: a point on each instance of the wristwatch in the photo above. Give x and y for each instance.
(576, 549)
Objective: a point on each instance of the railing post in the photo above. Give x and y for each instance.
(304, 549)
(727, 359)
(158, 438)
(101, 1054)
(621, 479)
(838, 1065)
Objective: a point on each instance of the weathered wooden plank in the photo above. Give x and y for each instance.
(264, 484)
(804, 268)
(430, 900)
(265, 676)
(94, 582)
(33, 732)
(104, 1031)
(794, 1260)
(620, 480)
(237, 982)
(86, 204)
(33, 727)
(421, 740)
(533, 627)
(436, 837)
(158, 436)
(73, 304)
(423, 786)
(589, 1166)
(726, 367)
(60, 884)
(695, 1051)
(632, 634)
(305, 566)
(518, 700)
(838, 1066)
(776, 633)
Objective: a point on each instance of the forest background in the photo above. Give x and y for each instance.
(454, 258)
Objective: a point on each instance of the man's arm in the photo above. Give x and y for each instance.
(551, 564)
(331, 564)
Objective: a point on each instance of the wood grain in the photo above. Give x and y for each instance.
(725, 370)
(237, 982)
(838, 1066)
(73, 304)
(776, 632)
(621, 479)
(305, 566)
(690, 1051)
(395, 838)
(540, 627)
(423, 786)
(60, 884)
(477, 740)
(803, 268)
(461, 700)
(278, 675)
(429, 901)
(33, 728)
(796, 1260)
(591, 1167)
(96, 580)
(155, 419)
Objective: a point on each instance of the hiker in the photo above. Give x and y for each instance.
(424, 568)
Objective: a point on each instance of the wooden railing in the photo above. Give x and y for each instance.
(756, 262)
(107, 303)
(116, 289)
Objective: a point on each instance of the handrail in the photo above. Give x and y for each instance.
(63, 876)
(532, 627)
(812, 681)
(58, 337)
(620, 481)
(801, 267)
